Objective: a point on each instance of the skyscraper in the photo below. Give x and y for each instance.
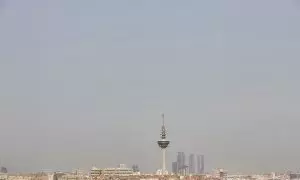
(181, 162)
(135, 168)
(174, 168)
(3, 170)
(200, 164)
(191, 164)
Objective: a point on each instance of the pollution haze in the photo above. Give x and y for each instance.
(84, 83)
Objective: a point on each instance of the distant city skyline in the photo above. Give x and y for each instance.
(83, 83)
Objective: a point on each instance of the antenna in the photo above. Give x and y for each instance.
(163, 118)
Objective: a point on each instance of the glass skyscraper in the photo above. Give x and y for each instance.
(192, 164)
(200, 164)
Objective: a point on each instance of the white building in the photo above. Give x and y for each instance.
(72, 177)
(220, 173)
(160, 172)
(3, 176)
(122, 170)
(117, 171)
(95, 172)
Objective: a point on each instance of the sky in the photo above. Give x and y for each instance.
(84, 83)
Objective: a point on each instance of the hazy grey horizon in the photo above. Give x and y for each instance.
(83, 83)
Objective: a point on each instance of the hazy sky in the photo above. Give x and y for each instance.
(84, 82)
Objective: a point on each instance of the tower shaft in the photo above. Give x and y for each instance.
(163, 161)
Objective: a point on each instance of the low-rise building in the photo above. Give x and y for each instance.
(32, 176)
(95, 172)
(3, 176)
(117, 171)
(122, 170)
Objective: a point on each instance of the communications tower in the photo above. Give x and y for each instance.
(163, 144)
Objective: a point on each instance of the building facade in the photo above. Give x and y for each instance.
(3, 176)
(192, 164)
(200, 164)
(117, 171)
(181, 163)
(174, 168)
(122, 170)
